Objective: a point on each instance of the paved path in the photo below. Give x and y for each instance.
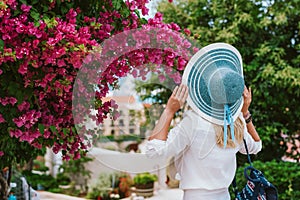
(52, 196)
(163, 194)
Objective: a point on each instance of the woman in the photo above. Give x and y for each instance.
(204, 150)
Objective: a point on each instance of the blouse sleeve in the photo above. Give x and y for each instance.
(178, 139)
(253, 146)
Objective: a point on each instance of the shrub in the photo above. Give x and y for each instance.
(63, 179)
(144, 178)
(46, 181)
(284, 175)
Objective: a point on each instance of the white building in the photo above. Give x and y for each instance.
(130, 117)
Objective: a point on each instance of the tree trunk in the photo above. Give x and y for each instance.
(3, 187)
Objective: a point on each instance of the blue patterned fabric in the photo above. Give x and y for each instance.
(257, 187)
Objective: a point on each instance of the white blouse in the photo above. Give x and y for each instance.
(200, 163)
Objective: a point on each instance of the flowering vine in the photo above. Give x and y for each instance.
(42, 54)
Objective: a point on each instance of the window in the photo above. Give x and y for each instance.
(131, 122)
(131, 131)
(131, 113)
(121, 122)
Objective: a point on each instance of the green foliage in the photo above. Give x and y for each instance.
(117, 183)
(76, 166)
(266, 34)
(284, 175)
(16, 151)
(40, 166)
(154, 90)
(35, 180)
(102, 186)
(144, 178)
(56, 190)
(75, 170)
(63, 179)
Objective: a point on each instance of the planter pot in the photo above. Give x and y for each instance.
(145, 190)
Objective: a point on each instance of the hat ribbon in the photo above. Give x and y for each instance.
(228, 121)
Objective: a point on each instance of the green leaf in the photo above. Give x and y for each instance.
(41, 128)
(1, 45)
(45, 8)
(63, 10)
(53, 129)
(125, 12)
(23, 2)
(117, 4)
(74, 130)
(65, 131)
(17, 12)
(35, 15)
(34, 2)
(36, 23)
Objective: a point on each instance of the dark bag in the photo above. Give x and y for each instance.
(257, 187)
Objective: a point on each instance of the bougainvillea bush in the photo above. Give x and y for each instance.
(44, 44)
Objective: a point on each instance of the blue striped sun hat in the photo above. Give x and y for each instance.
(214, 76)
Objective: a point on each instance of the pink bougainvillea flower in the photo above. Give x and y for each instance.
(35, 43)
(77, 156)
(20, 29)
(187, 31)
(66, 157)
(23, 106)
(61, 63)
(37, 145)
(12, 100)
(1, 153)
(115, 114)
(29, 137)
(181, 64)
(1, 119)
(4, 101)
(23, 68)
(25, 8)
(15, 133)
(20, 121)
(145, 11)
(47, 134)
(177, 78)
(161, 78)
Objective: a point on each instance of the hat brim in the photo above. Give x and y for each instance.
(213, 56)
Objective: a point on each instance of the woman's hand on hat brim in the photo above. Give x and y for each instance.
(177, 99)
(247, 94)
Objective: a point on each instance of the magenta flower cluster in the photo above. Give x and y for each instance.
(47, 54)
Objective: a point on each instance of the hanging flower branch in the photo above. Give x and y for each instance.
(46, 57)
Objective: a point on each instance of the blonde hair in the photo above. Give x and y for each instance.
(238, 134)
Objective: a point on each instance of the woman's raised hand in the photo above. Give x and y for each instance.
(247, 99)
(177, 99)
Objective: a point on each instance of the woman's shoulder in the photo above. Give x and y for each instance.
(191, 115)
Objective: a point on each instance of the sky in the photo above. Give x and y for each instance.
(152, 8)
